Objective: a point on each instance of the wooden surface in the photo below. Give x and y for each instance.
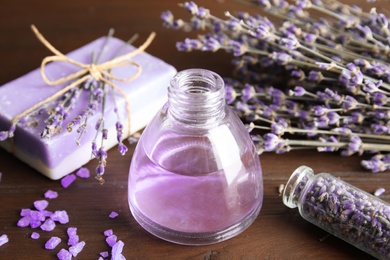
(278, 232)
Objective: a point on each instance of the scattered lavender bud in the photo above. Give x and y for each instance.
(41, 204)
(378, 192)
(83, 173)
(68, 180)
(3, 239)
(76, 249)
(52, 243)
(51, 194)
(35, 235)
(64, 254)
(113, 214)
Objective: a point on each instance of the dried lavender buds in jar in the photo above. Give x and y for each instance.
(343, 210)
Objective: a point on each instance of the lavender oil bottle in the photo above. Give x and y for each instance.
(195, 177)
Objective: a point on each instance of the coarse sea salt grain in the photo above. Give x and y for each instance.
(41, 204)
(52, 243)
(68, 180)
(83, 173)
(3, 239)
(64, 254)
(35, 235)
(50, 194)
(76, 249)
(113, 214)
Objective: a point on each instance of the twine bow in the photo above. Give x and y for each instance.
(99, 72)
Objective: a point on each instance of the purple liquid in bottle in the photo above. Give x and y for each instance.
(195, 183)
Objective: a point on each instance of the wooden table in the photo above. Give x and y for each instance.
(278, 232)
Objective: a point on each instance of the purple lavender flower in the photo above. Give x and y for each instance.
(239, 48)
(281, 58)
(271, 142)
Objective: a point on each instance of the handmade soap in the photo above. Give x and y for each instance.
(59, 155)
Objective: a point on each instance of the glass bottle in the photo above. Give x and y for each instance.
(195, 176)
(343, 210)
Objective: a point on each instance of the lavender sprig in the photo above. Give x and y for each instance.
(307, 82)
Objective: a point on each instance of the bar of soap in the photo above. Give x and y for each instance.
(60, 155)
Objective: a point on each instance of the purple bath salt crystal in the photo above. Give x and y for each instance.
(83, 173)
(73, 240)
(76, 249)
(116, 252)
(60, 216)
(34, 223)
(52, 243)
(108, 232)
(51, 194)
(41, 204)
(73, 237)
(35, 235)
(67, 180)
(37, 215)
(64, 254)
(24, 221)
(48, 225)
(25, 212)
(3, 239)
(113, 214)
(111, 240)
(104, 254)
(71, 231)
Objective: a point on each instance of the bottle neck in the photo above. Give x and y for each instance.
(295, 185)
(197, 97)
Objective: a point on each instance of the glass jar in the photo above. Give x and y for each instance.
(195, 176)
(343, 210)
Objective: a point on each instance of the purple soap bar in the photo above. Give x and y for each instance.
(59, 155)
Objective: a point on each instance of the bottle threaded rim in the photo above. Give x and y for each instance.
(196, 96)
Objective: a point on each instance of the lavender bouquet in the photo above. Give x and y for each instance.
(306, 82)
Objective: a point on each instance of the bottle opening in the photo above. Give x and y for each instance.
(197, 97)
(295, 185)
